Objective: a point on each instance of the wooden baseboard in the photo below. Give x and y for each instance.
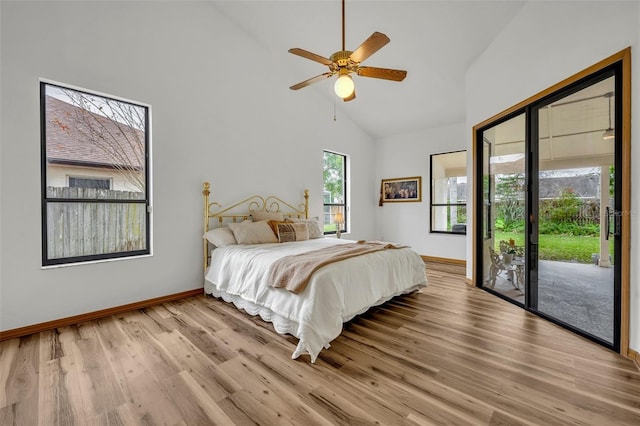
(635, 356)
(76, 319)
(453, 266)
(461, 262)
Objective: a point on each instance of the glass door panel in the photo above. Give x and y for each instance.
(575, 190)
(503, 213)
(551, 201)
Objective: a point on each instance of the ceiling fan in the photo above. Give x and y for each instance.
(345, 62)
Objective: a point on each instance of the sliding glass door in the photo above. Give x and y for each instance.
(549, 228)
(504, 208)
(574, 181)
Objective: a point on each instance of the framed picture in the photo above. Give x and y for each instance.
(401, 190)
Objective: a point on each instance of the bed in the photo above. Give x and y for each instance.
(246, 245)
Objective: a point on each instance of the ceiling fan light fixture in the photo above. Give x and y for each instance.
(344, 86)
(345, 62)
(608, 134)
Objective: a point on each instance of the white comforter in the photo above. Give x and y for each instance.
(335, 294)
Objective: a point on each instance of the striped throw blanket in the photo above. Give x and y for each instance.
(294, 272)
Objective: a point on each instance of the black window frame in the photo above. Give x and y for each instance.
(344, 204)
(432, 204)
(46, 200)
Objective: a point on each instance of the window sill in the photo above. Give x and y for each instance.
(92, 262)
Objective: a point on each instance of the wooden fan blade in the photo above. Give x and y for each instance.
(369, 47)
(311, 81)
(384, 73)
(308, 55)
(351, 97)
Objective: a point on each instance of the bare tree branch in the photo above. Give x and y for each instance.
(116, 128)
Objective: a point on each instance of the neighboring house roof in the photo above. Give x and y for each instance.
(587, 185)
(68, 141)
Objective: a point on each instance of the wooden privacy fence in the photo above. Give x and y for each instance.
(89, 228)
(583, 212)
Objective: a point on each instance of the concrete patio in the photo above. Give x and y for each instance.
(576, 293)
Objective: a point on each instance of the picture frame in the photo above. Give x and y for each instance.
(401, 190)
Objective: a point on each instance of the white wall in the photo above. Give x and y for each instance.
(408, 223)
(221, 111)
(546, 43)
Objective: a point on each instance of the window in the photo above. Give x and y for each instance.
(449, 192)
(80, 182)
(335, 193)
(95, 173)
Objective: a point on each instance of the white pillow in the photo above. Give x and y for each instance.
(260, 215)
(249, 232)
(220, 237)
(315, 231)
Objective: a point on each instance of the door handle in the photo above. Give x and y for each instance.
(617, 223)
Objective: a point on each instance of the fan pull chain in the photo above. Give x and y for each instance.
(334, 107)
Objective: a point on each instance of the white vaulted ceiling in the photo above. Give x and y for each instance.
(435, 41)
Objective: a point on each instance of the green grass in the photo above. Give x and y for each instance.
(330, 227)
(566, 248)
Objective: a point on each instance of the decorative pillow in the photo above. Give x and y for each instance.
(315, 231)
(273, 224)
(288, 231)
(248, 232)
(258, 216)
(220, 237)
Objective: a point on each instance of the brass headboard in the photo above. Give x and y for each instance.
(255, 203)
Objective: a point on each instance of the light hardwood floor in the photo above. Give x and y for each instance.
(450, 354)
